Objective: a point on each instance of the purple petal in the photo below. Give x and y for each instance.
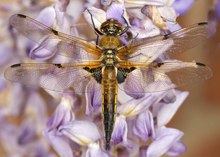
(177, 149)
(170, 97)
(94, 150)
(165, 138)
(5, 53)
(106, 2)
(120, 130)
(134, 107)
(61, 5)
(81, 132)
(134, 83)
(3, 83)
(173, 26)
(17, 105)
(63, 113)
(93, 97)
(37, 104)
(182, 6)
(167, 13)
(45, 50)
(47, 16)
(144, 126)
(28, 134)
(98, 15)
(167, 111)
(59, 143)
(116, 11)
(147, 2)
(212, 22)
(143, 28)
(217, 9)
(123, 97)
(143, 151)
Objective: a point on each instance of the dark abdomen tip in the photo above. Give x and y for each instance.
(107, 146)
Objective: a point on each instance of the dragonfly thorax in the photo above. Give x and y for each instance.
(110, 42)
(109, 57)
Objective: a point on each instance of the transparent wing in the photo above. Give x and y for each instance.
(173, 43)
(55, 77)
(164, 76)
(147, 53)
(53, 40)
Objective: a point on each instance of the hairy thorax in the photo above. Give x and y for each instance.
(110, 42)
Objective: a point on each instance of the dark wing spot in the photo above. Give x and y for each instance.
(122, 73)
(203, 23)
(23, 16)
(166, 36)
(159, 64)
(54, 31)
(86, 69)
(15, 65)
(132, 68)
(201, 64)
(58, 65)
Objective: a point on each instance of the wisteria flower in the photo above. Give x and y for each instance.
(146, 100)
(182, 6)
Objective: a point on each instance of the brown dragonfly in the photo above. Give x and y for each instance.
(111, 64)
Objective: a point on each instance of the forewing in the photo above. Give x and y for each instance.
(178, 41)
(55, 77)
(164, 76)
(148, 53)
(53, 40)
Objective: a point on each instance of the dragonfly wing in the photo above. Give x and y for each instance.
(164, 76)
(55, 77)
(182, 40)
(53, 40)
(149, 53)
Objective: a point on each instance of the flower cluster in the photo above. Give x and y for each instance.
(72, 124)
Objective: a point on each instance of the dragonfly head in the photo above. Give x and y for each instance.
(111, 27)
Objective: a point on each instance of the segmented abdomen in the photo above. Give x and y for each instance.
(109, 99)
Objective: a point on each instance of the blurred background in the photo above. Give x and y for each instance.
(199, 116)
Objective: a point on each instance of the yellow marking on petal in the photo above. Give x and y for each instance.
(82, 140)
(154, 14)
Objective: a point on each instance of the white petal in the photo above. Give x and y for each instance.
(93, 97)
(165, 139)
(167, 111)
(144, 126)
(98, 16)
(120, 130)
(81, 132)
(47, 16)
(94, 150)
(146, 2)
(149, 30)
(168, 13)
(134, 107)
(60, 145)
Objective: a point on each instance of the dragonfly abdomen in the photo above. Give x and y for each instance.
(109, 99)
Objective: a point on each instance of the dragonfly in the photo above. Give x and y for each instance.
(112, 65)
